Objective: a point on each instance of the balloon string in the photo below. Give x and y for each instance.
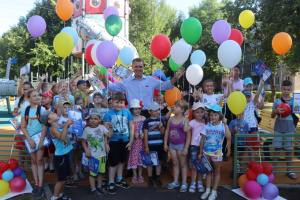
(244, 53)
(36, 56)
(12, 147)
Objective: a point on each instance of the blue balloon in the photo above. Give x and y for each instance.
(7, 175)
(262, 179)
(126, 55)
(198, 57)
(72, 32)
(23, 175)
(159, 74)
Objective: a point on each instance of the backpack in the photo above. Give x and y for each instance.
(38, 115)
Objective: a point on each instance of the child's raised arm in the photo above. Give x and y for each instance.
(262, 83)
(42, 78)
(21, 85)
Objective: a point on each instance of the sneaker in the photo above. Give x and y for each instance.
(205, 194)
(112, 188)
(104, 183)
(34, 189)
(96, 193)
(82, 176)
(141, 179)
(39, 192)
(192, 187)
(122, 184)
(158, 182)
(134, 180)
(201, 188)
(71, 184)
(213, 196)
(65, 198)
(102, 191)
(75, 177)
(150, 183)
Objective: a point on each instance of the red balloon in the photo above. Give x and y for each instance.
(268, 170)
(3, 166)
(17, 184)
(155, 91)
(258, 169)
(1, 175)
(265, 164)
(251, 175)
(286, 108)
(12, 163)
(236, 35)
(251, 164)
(160, 46)
(88, 54)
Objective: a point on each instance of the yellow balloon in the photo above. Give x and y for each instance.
(246, 18)
(4, 188)
(236, 102)
(63, 44)
(119, 62)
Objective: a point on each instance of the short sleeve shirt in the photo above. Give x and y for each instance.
(214, 139)
(23, 105)
(196, 130)
(212, 99)
(154, 135)
(284, 124)
(34, 126)
(242, 128)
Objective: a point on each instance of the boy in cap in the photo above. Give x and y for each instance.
(248, 84)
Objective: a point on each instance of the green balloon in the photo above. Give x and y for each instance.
(103, 70)
(191, 30)
(113, 25)
(174, 67)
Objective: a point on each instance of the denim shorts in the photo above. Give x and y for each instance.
(176, 147)
(194, 152)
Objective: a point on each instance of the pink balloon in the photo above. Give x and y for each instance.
(17, 184)
(271, 178)
(221, 31)
(110, 10)
(252, 189)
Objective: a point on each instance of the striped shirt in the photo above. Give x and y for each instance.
(154, 135)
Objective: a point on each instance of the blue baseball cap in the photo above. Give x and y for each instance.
(248, 81)
(215, 108)
(247, 92)
(80, 82)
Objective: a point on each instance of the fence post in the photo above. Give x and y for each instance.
(235, 161)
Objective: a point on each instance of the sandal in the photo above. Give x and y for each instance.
(292, 176)
(173, 185)
(141, 179)
(134, 180)
(183, 187)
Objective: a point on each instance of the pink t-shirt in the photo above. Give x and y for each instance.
(196, 129)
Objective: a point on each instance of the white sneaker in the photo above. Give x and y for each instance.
(205, 194)
(212, 196)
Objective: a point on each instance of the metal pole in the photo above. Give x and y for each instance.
(83, 49)
(8, 68)
(72, 70)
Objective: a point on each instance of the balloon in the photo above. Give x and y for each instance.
(251, 175)
(194, 74)
(179, 52)
(271, 178)
(4, 187)
(237, 36)
(268, 170)
(93, 41)
(93, 53)
(103, 70)
(3, 166)
(18, 171)
(220, 31)
(229, 54)
(110, 10)
(174, 67)
(246, 18)
(198, 57)
(155, 91)
(270, 191)
(190, 46)
(242, 180)
(88, 54)
(172, 95)
(63, 44)
(23, 175)
(17, 184)
(252, 189)
(72, 32)
(64, 9)
(258, 169)
(36, 26)
(12, 163)
(160, 46)
(262, 179)
(107, 53)
(113, 25)
(7, 175)
(286, 108)
(126, 55)
(159, 74)
(281, 43)
(191, 30)
(251, 164)
(236, 102)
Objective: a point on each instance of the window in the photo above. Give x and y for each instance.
(276, 80)
(287, 78)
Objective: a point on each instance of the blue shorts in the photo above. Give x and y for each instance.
(194, 152)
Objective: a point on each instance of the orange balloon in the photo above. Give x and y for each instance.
(281, 43)
(172, 95)
(243, 180)
(64, 9)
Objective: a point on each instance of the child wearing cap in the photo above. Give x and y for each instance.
(98, 101)
(62, 148)
(248, 84)
(135, 158)
(154, 129)
(94, 143)
(47, 99)
(196, 125)
(211, 147)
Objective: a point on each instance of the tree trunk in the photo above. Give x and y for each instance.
(271, 80)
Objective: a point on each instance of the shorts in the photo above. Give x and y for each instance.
(277, 141)
(118, 153)
(62, 166)
(50, 149)
(176, 147)
(160, 151)
(214, 158)
(102, 164)
(194, 152)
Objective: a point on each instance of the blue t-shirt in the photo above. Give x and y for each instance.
(34, 126)
(242, 128)
(278, 101)
(120, 121)
(61, 147)
(214, 139)
(154, 135)
(284, 124)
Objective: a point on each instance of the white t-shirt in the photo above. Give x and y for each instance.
(212, 99)
(23, 105)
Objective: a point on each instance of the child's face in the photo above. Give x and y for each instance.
(94, 120)
(249, 86)
(177, 110)
(159, 99)
(52, 117)
(55, 90)
(199, 113)
(46, 100)
(248, 98)
(25, 88)
(110, 106)
(97, 99)
(154, 113)
(286, 90)
(64, 87)
(214, 117)
(80, 103)
(240, 116)
(209, 87)
(65, 109)
(34, 98)
(136, 111)
(82, 86)
(118, 105)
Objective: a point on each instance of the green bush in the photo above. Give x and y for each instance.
(269, 95)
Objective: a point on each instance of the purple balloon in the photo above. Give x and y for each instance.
(107, 53)
(270, 191)
(18, 171)
(271, 178)
(221, 31)
(36, 26)
(110, 10)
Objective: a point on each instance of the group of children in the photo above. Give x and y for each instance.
(116, 135)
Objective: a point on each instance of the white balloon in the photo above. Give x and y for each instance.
(194, 74)
(190, 46)
(180, 52)
(93, 54)
(229, 53)
(93, 41)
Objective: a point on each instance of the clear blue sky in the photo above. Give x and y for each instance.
(12, 10)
